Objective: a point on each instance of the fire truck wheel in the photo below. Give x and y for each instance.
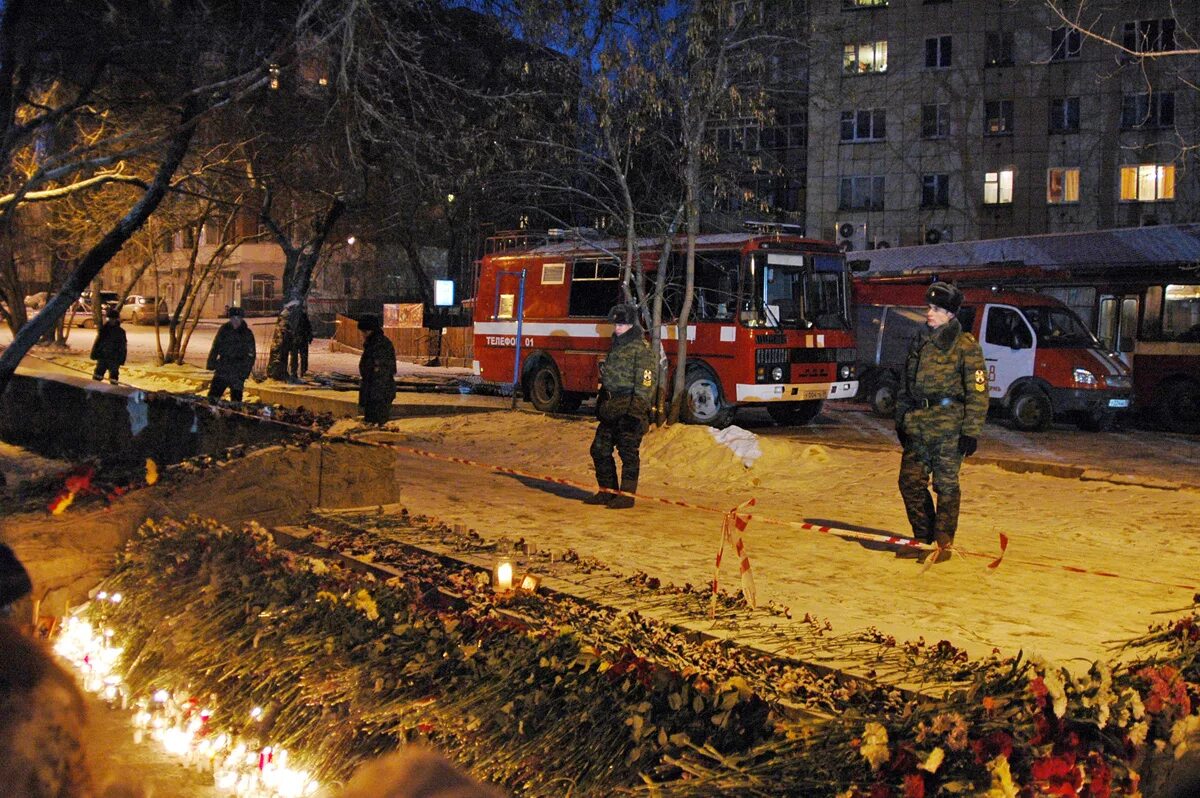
(794, 414)
(1031, 411)
(1178, 407)
(705, 403)
(546, 388)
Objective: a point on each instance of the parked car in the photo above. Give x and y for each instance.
(1043, 363)
(82, 309)
(140, 309)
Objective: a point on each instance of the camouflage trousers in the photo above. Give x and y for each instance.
(625, 433)
(940, 459)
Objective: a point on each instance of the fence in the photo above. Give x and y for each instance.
(413, 344)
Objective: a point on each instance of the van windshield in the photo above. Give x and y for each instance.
(1059, 328)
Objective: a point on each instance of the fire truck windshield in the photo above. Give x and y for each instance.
(797, 291)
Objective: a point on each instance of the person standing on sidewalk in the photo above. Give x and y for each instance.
(231, 358)
(940, 410)
(110, 348)
(627, 379)
(301, 336)
(377, 368)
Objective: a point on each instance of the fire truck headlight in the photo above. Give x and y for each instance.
(1083, 377)
(777, 374)
(846, 372)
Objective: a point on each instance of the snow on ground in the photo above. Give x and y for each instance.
(1030, 602)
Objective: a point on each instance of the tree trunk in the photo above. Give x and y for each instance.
(99, 255)
(692, 178)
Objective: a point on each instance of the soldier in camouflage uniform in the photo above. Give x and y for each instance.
(627, 378)
(940, 410)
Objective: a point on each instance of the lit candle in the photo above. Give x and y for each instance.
(504, 575)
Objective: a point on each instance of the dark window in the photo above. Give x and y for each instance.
(1005, 327)
(715, 288)
(790, 130)
(935, 120)
(998, 50)
(861, 193)
(938, 52)
(1065, 43)
(1064, 115)
(595, 287)
(864, 124)
(998, 118)
(935, 191)
(1149, 35)
(1148, 110)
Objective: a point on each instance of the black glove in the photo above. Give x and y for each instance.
(902, 436)
(967, 445)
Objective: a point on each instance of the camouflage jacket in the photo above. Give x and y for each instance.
(630, 368)
(944, 390)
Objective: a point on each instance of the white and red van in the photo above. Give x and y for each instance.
(1043, 363)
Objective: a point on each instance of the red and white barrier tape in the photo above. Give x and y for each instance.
(732, 527)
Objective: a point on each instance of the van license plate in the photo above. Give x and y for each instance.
(1118, 403)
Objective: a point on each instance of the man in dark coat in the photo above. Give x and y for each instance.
(627, 379)
(110, 348)
(231, 357)
(940, 410)
(301, 333)
(377, 367)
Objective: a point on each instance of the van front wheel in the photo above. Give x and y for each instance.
(1031, 411)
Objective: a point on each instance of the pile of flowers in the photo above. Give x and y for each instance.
(545, 695)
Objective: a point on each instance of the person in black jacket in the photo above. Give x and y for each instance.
(231, 357)
(110, 347)
(377, 367)
(301, 334)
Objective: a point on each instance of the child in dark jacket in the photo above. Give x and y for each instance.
(110, 347)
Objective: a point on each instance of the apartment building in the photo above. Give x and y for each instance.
(940, 120)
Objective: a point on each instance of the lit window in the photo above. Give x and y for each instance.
(1148, 182)
(1065, 43)
(864, 124)
(864, 3)
(1062, 185)
(938, 52)
(998, 187)
(858, 59)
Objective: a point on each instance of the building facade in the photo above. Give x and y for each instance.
(941, 120)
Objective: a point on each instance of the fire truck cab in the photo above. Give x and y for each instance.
(769, 324)
(1043, 363)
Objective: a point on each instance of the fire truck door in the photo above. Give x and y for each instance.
(1008, 348)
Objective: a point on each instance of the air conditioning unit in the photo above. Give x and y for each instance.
(851, 236)
(882, 241)
(937, 235)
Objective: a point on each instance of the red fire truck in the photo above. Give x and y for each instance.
(770, 323)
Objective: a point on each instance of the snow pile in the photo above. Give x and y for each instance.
(742, 443)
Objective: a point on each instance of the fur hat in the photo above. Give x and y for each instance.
(369, 323)
(236, 310)
(945, 296)
(624, 314)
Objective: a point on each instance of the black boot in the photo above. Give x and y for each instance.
(599, 497)
(621, 503)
